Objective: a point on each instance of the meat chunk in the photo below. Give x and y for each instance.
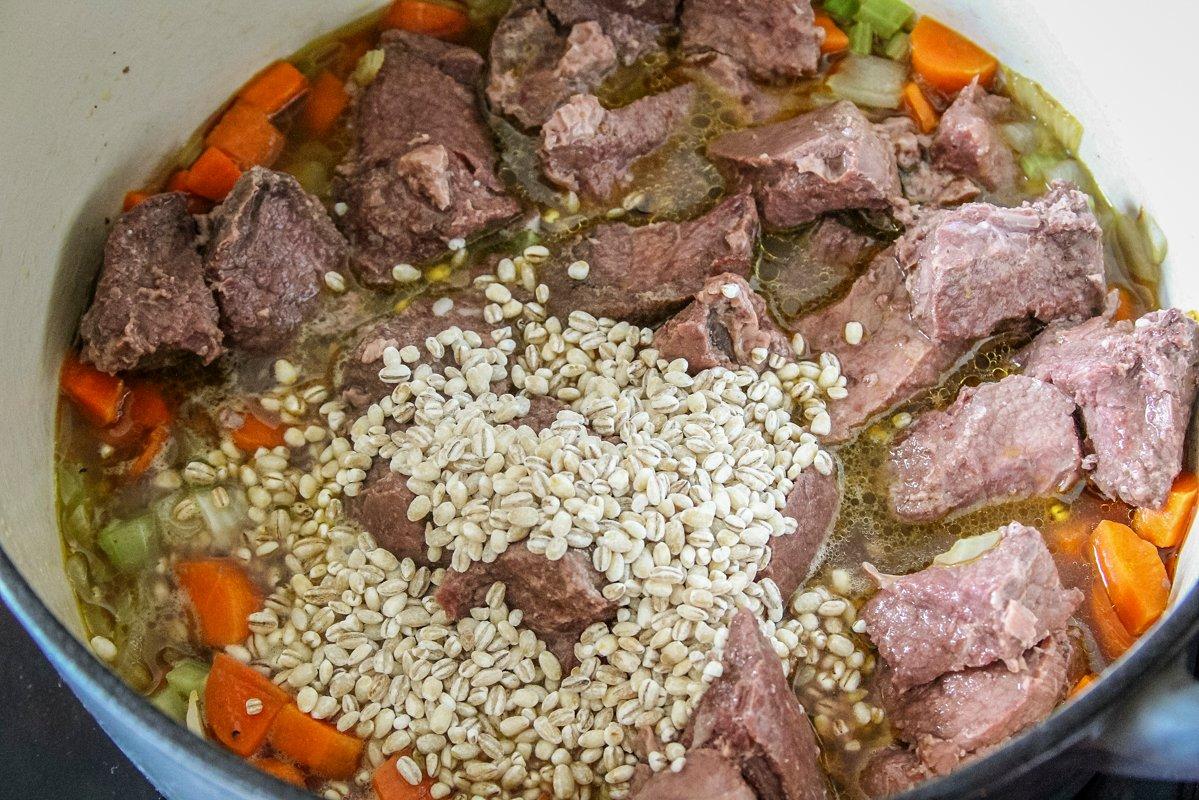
(535, 69)
(589, 149)
(963, 713)
(973, 268)
(151, 305)
(422, 167)
(730, 78)
(775, 41)
(269, 248)
(830, 159)
(988, 609)
(750, 716)
(381, 507)
(1135, 383)
(968, 141)
(997, 442)
(559, 598)
(706, 774)
(923, 181)
(893, 361)
(722, 327)
(633, 26)
(803, 271)
(646, 273)
(814, 502)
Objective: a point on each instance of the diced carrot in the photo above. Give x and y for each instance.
(155, 441)
(428, 18)
(96, 394)
(1169, 526)
(133, 198)
(280, 769)
(314, 745)
(389, 784)
(1133, 574)
(919, 109)
(274, 88)
(325, 103)
(1083, 683)
(1126, 308)
(222, 595)
(835, 39)
(1113, 638)
(212, 175)
(144, 409)
(255, 433)
(946, 60)
(230, 686)
(178, 181)
(245, 134)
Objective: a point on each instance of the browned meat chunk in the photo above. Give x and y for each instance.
(151, 305)
(381, 507)
(963, 713)
(727, 77)
(559, 598)
(992, 608)
(633, 26)
(706, 774)
(893, 361)
(646, 273)
(968, 142)
(890, 771)
(998, 442)
(1135, 384)
(589, 149)
(923, 181)
(750, 716)
(974, 268)
(422, 168)
(826, 160)
(814, 503)
(535, 69)
(774, 40)
(269, 247)
(722, 327)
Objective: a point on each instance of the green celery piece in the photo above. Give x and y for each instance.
(885, 17)
(842, 10)
(187, 676)
(897, 47)
(861, 39)
(171, 703)
(1037, 165)
(129, 543)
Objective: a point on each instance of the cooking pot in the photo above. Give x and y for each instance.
(98, 95)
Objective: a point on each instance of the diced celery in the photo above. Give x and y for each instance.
(842, 10)
(861, 39)
(1135, 248)
(188, 676)
(171, 703)
(869, 81)
(1033, 98)
(1037, 165)
(129, 543)
(898, 47)
(885, 17)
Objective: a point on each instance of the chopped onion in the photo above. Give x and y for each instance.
(1022, 136)
(1033, 98)
(225, 522)
(968, 549)
(1155, 237)
(869, 81)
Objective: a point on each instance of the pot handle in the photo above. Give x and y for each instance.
(1156, 734)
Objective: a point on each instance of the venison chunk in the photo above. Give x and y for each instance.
(728, 77)
(634, 27)
(381, 507)
(151, 306)
(831, 159)
(814, 502)
(968, 141)
(891, 770)
(774, 40)
(706, 774)
(997, 442)
(924, 182)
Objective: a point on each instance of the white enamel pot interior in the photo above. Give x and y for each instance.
(98, 96)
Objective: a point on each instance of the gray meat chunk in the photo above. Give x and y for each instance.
(151, 306)
(998, 442)
(830, 159)
(1135, 383)
(727, 77)
(924, 182)
(968, 141)
(269, 248)
(773, 40)
(381, 507)
(634, 27)
(814, 502)
(975, 268)
(989, 609)
(706, 774)
(591, 150)
(892, 770)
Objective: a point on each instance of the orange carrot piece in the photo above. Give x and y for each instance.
(325, 104)
(96, 394)
(178, 181)
(1113, 638)
(835, 39)
(274, 88)
(1126, 308)
(280, 769)
(222, 595)
(428, 18)
(314, 745)
(919, 109)
(155, 441)
(1133, 574)
(212, 175)
(245, 134)
(946, 60)
(133, 198)
(1083, 683)
(230, 685)
(1169, 526)
(255, 433)
(389, 784)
